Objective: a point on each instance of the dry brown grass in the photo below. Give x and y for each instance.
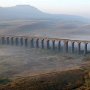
(66, 80)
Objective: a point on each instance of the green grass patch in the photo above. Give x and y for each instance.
(4, 81)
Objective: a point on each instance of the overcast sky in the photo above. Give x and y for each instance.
(76, 7)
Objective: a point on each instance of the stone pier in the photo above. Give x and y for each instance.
(79, 47)
(59, 46)
(85, 49)
(48, 44)
(66, 46)
(8, 41)
(73, 46)
(32, 43)
(21, 41)
(53, 44)
(42, 43)
(12, 40)
(37, 43)
(26, 42)
(16, 41)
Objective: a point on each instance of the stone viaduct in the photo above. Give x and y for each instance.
(45, 42)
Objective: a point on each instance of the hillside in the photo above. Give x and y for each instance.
(29, 12)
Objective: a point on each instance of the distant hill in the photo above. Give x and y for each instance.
(29, 12)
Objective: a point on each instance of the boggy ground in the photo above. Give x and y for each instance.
(65, 80)
(78, 79)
